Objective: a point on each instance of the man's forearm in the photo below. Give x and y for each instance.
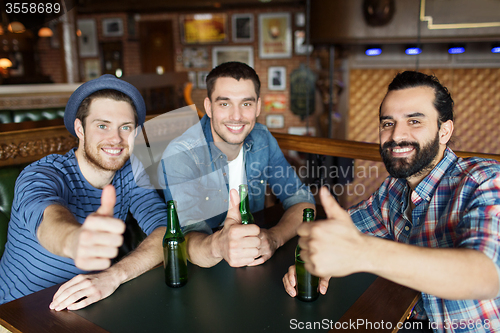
(200, 249)
(147, 255)
(56, 229)
(289, 222)
(449, 273)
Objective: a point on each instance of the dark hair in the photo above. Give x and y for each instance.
(83, 109)
(235, 70)
(442, 98)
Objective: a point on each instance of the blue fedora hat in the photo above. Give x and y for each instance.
(106, 81)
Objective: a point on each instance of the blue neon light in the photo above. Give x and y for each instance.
(456, 50)
(373, 51)
(413, 50)
(496, 49)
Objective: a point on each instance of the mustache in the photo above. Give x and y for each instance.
(393, 144)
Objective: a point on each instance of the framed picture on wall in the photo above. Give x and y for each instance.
(275, 121)
(87, 41)
(203, 28)
(242, 28)
(112, 27)
(276, 78)
(221, 54)
(275, 35)
(202, 80)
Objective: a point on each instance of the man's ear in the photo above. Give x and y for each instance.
(79, 129)
(208, 107)
(445, 132)
(258, 108)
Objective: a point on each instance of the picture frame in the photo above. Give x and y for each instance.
(112, 27)
(221, 54)
(203, 28)
(275, 102)
(195, 57)
(275, 121)
(87, 41)
(275, 36)
(192, 79)
(92, 69)
(202, 77)
(276, 78)
(300, 43)
(242, 28)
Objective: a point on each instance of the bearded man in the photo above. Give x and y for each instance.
(68, 211)
(435, 218)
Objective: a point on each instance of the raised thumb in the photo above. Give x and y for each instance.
(233, 214)
(108, 200)
(330, 205)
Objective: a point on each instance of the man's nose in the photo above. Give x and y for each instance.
(400, 133)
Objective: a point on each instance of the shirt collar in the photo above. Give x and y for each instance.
(426, 188)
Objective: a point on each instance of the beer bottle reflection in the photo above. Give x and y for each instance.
(174, 250)
(246, 216)
(307, 284)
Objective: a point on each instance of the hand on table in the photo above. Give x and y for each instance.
(290, 282)
(332, 247)
(97, 241)
(88, 288)
(238, 243)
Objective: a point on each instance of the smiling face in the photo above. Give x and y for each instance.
(411, 143)
(106, 142)
(233, 109)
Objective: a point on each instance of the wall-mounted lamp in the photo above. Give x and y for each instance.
(5, 63)
(413, 50)
(373, 51)
(45, 32)
(456, 49)
(16, 27)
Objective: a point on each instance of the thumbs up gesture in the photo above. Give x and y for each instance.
(100, 236)
(332, 247)
(237, 243)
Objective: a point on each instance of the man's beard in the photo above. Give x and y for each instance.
(95, 159)
(404, 168)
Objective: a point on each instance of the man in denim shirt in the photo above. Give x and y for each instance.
(225, 149)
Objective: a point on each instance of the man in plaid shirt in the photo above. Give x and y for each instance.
(440, 211)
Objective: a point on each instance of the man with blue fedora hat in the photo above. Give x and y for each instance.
(68, 211)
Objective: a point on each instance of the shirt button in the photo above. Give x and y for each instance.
(225, 200)
(221, 156)
(407, 228)
(224, 173)
(206, 198)
(262, 181)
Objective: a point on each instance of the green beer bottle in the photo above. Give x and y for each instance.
(174, 250)
(307, 284)
(246, 216)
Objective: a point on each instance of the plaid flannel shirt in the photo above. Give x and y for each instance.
(456, 206)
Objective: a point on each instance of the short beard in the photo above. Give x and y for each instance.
(402, 167)
(95, 160)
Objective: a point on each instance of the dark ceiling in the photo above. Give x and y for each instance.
(143, 6)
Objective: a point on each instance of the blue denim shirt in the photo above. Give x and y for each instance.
(196, 172)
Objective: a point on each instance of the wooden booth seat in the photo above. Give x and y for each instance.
(18, 116)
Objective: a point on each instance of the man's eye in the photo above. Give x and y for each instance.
(126, 128)
(247, 104)
(384, 125)
(414, 122)
(102, 126)
(223, 104)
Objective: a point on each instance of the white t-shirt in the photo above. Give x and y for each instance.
(237, 174)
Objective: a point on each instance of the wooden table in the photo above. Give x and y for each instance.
(220, 299)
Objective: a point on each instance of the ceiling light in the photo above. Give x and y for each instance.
(373, 51)
(413, 50)
(456, 49)
(16, 27)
